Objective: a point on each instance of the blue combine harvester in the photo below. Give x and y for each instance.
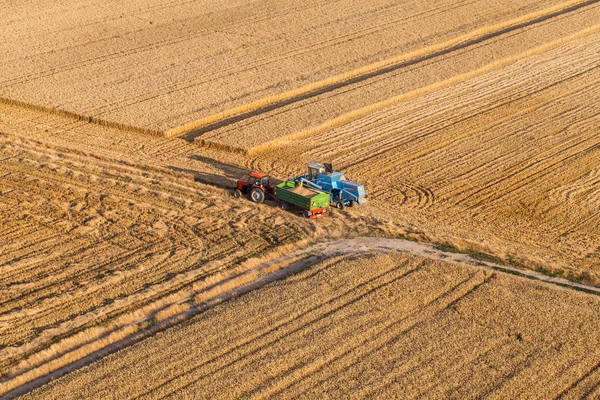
(341, 191)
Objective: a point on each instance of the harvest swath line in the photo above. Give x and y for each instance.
(156, 268)
(390, 143)
(362, 112)
(81, 117)
(472, 38)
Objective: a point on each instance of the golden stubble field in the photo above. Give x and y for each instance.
(123, 127)
(95, 249)
(509, 159)
(158, 65)
(367, 326)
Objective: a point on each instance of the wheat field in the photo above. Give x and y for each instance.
(123, 129)
(93, 248)
(367, 326)
(160, 65)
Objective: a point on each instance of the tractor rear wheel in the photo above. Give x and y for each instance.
(257, 195)
(237, 194)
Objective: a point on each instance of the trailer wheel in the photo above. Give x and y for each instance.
(350, 203)
(284, 205)
(257, 195)
(339, 205)
(237, 194)
(306, 214)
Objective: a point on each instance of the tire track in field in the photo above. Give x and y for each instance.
(409, 366)
(331, 249)
(57, 181)
(588, 382)
(535, 175)
(374, 338)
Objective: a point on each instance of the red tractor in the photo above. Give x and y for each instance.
(257, 186)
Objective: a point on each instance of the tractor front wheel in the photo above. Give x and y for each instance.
(237, 194)
(257, 195)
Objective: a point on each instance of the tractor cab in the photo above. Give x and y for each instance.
(256, 186)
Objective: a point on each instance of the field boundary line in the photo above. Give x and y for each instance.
(367, 110)
(265, 104)
(293, 263)
(80, 117)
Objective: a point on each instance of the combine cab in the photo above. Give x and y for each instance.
(342, 192)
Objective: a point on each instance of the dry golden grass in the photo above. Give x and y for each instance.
(401, 78)
(159, 65)
(362, 327)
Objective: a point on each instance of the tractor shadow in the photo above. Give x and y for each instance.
(227, 180)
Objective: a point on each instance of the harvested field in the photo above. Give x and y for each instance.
(94, 249)
(158, 65)
(123, 128)
(507, 160)
(367, 326)
(412, 74)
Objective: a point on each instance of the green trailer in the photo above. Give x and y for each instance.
(314, 203)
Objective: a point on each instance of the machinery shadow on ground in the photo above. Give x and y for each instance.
(227, 180)
(210, 179)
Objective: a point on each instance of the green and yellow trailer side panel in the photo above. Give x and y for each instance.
(301, 196)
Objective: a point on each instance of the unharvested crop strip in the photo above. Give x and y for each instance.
(268, 103)
(80, 117)
(364, 111)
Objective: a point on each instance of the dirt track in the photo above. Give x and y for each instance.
(508, 327)
(295, 263)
